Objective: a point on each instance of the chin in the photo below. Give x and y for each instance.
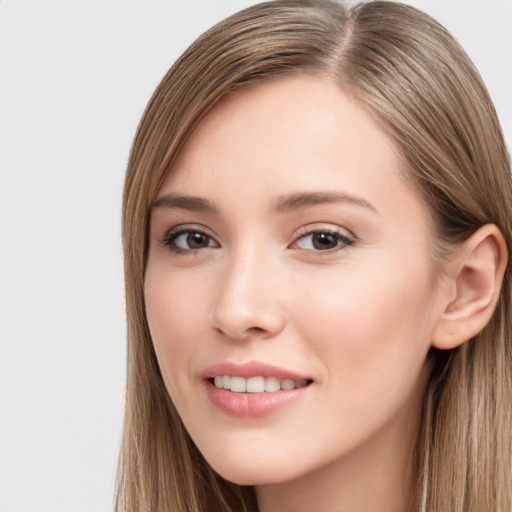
(249, 475)
(253, 471)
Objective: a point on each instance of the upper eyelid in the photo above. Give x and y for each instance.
(184, 228)
(322, 228)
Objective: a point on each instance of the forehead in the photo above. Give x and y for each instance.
(286, 135)
(298, 110)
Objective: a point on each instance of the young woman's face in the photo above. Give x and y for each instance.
(288, 251)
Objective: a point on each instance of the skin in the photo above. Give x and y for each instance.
(357, 319)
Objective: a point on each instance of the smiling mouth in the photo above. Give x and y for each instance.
(258, 384)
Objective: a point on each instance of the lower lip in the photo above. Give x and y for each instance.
(252, 405)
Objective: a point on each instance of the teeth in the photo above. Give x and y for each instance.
(287, 384)
(272, 384)
(238, 384)
(256, 384)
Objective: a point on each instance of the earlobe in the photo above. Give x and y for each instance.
(475, 279)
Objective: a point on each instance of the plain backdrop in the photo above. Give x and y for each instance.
(74, 79)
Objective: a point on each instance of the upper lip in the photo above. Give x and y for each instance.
(251, 369)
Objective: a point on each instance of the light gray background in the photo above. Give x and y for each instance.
(74, 79)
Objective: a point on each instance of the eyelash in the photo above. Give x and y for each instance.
(171, 237)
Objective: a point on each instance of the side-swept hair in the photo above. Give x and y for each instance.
(423, 89)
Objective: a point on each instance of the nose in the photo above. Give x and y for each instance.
(247, 302)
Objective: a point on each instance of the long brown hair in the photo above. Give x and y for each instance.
(423, 89)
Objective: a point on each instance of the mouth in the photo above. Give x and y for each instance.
(257, 384)
(253, 389)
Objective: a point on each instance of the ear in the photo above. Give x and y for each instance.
(474, 280)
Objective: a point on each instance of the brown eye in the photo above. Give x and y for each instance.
(197, 240)
(188, 240)
(323, 241)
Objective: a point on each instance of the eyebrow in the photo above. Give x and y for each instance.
(293, 202)
(283, 204)
(195, 204)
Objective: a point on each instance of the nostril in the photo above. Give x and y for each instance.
(247, 333)
(255, 329)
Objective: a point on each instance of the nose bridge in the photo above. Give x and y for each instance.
(247, 302)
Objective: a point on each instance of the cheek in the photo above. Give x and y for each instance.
(373, 327)
(370, 337)
(176, 322)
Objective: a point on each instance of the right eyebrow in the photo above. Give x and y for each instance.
(196, 204)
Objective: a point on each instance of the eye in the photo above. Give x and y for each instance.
(188, 240)
(323, 241)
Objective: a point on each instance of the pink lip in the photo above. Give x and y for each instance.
(250, 369)
(251, 405)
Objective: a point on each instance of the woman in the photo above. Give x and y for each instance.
(317, 221)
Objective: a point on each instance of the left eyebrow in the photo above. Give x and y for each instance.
(293, 202)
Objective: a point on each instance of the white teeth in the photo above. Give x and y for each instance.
(226, 382)
(287, 384)
(256, 384)
(272, 384)
(238, 384)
